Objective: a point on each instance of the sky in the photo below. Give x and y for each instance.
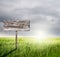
(44, 16)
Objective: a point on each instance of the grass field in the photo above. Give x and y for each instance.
(29, 47)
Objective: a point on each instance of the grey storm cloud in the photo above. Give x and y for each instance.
(45, 13)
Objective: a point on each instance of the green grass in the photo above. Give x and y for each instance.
(30, 47)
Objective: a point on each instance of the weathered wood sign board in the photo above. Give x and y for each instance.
(17, 25)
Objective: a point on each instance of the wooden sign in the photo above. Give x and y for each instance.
(17, 25)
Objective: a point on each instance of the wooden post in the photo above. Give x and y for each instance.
(16, 39)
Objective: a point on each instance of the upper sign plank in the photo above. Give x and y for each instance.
(17, 25)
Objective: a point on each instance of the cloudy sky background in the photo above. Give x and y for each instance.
(43, 14)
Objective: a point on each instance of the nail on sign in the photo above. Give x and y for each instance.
(17, 25)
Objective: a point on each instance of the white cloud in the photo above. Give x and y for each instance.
(44, 14)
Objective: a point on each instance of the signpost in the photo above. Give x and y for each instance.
(22, 25)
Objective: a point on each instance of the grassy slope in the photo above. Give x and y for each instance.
(28, 47)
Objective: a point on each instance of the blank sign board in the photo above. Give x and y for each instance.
(17, 25)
